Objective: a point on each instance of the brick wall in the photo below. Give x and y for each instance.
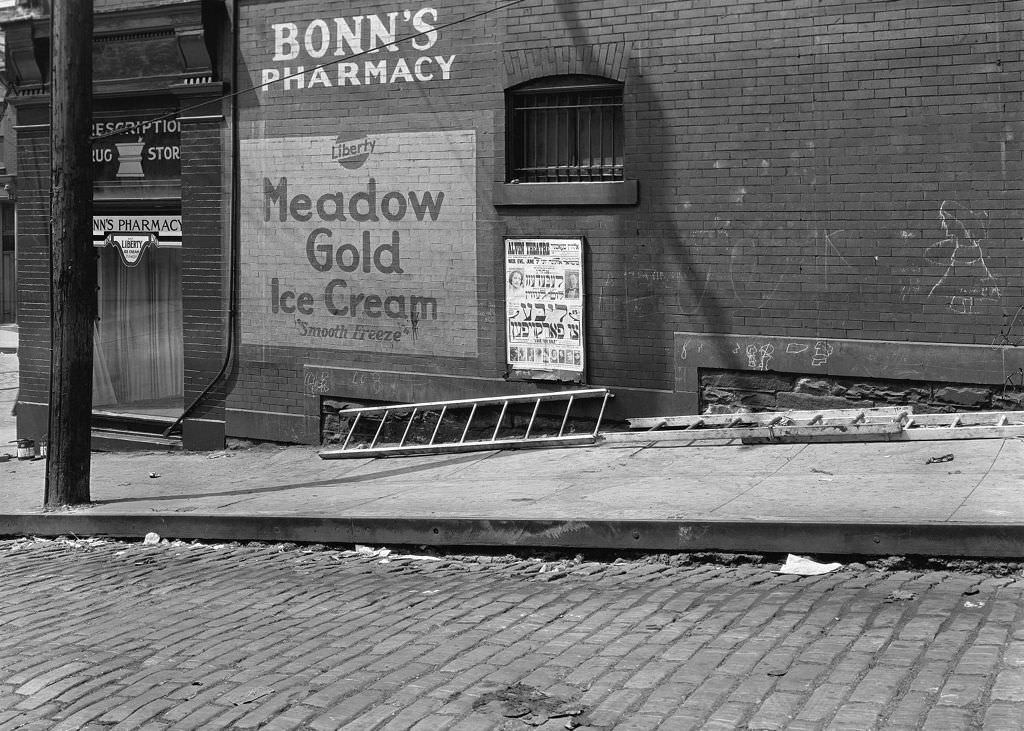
(33, 252)
(819, 169)
(204, 301)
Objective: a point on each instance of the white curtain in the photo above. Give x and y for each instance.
(138, 347)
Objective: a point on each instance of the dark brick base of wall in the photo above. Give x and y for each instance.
(726, 391)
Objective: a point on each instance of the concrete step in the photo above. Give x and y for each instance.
(122, 440)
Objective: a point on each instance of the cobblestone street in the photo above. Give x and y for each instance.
(103, 634)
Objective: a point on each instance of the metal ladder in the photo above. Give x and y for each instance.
(380, 446)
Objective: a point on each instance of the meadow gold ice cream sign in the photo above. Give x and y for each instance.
(360, 241)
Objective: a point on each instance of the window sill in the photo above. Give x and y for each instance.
(617, 193)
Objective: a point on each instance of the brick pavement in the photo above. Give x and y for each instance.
(113, 635)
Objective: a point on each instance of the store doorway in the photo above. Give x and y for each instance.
(138, 361)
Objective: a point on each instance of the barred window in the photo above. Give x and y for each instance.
(565, 129)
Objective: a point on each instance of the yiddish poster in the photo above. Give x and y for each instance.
(544, 309)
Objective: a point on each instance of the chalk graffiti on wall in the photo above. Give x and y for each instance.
(767, 262)
(966, 281)
(822, 350)
(758, 356)
(756, 352)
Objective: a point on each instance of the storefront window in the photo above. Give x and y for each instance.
(138, 365)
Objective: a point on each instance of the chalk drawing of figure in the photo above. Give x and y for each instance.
(967, 278)
(822, 350)
(757, 358)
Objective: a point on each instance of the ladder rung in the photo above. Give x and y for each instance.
(501, 418)
(468, 422)
(408, 426)
(533, 416)
(600, 414)
(565, 418)
(351, 430)
(438, 424)
(380, 428)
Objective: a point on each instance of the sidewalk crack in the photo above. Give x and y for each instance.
(762, 480)
(974, 489)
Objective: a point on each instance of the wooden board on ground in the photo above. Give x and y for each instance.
(897, 423)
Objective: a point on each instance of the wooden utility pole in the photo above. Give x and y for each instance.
(73, 259)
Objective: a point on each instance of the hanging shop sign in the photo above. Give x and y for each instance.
(544, 309)
(132, 235)
(136, 148)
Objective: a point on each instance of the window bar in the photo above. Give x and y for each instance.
(526, 120)
(615, 151)
(539, 141)
(438, 424)
(533, 146)
(578, 142)
(468, 422)
(565, 159)
(407, 427)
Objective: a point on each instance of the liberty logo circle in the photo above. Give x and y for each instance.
(352, 149)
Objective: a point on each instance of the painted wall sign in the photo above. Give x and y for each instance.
(136, 148)
(309, 53)
(359, 241)
(132, 235)
(544, 308)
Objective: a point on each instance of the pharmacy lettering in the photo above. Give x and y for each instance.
(346, 51)
(131, 235)
(369, 259)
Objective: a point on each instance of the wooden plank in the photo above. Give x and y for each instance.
(810, 433)
(926, 434)
(971, 418)
(761, 418)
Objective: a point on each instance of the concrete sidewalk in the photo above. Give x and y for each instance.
(631, 491)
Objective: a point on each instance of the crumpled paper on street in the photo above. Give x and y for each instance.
(803, 566)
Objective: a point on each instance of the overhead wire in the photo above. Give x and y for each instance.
(231, 95)
(232, 296)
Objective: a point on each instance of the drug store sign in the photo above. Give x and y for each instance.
(131, 148)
